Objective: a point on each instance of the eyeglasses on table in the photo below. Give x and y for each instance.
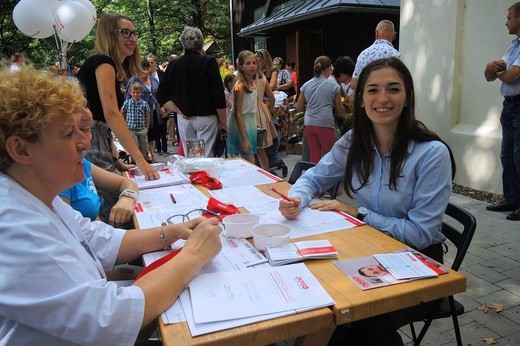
(193, 214)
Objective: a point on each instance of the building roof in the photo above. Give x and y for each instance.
(307, 9)
(211, 47)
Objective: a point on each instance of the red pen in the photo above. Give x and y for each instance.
(284, 196)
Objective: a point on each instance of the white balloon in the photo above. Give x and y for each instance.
(90, 7)
(53, 5)
(34, 18)
(73, 21)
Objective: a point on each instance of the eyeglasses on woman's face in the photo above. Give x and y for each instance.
(127, 33)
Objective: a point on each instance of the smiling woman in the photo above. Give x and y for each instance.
(116, 58)
(399, 174)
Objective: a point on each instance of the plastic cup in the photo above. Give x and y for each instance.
(270, 234)
(240, 225)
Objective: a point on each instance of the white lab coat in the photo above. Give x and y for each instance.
(52, 291)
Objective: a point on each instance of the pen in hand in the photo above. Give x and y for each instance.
(173, 198)
(284, 196)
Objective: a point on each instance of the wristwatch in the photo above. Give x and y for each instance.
(129, 193)
(361, 213)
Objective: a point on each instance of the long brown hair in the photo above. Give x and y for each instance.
(242, 83)
(360, 158)
(107, 43)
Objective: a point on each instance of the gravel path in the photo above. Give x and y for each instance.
(476, 194)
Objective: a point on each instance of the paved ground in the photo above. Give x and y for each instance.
(492, 269)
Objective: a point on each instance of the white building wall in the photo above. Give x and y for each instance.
(446, 45)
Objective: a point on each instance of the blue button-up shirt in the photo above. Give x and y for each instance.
(512, 58)
(411, 214)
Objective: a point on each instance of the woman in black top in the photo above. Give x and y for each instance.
(116, 58)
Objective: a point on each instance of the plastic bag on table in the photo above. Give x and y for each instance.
(212, 165)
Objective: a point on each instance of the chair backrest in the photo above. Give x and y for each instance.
(301, 167)
(461, 240)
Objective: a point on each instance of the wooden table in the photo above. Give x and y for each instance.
(309, 328)
(351, 303)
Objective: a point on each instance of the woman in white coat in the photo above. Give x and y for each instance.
(53, 286)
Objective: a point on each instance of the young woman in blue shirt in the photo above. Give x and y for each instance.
(398, 173)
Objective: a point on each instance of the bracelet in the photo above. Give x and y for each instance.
(166, 246)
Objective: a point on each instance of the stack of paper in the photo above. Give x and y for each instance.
(224, 300)
(168, 177)
(299, 251)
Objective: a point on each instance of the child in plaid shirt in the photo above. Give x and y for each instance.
(137, 116)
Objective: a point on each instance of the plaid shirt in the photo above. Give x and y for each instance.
(136, 113)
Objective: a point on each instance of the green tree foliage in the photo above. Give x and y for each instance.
(159, 22)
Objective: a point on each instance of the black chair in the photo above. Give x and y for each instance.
(448, 306)
(301, 167)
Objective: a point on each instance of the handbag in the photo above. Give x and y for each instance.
(220, 144)
(261, 138)
(264, 122)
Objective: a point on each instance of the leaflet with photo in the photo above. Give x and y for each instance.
(367, 272)
(404, 265)
(299, 251)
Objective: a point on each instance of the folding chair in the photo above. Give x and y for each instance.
(448, 306)
(301, 167)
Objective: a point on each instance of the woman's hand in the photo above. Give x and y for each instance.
(185, 229)
(204, 242)
(148, 171)
(122, 211)
(334, 204)
(246, 146)
(290, 210)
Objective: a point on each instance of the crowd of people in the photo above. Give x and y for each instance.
(59, 185)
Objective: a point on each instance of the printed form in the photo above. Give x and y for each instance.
(243, 196)
(236, 173)
(236, 254)
(309, 221)
(156, 205)
(229, 299)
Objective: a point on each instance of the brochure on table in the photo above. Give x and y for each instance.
(300, 251)
(168, 176)
(405, 265)
(367, 272)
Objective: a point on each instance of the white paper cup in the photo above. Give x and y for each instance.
(240, 225)
(270, 234)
